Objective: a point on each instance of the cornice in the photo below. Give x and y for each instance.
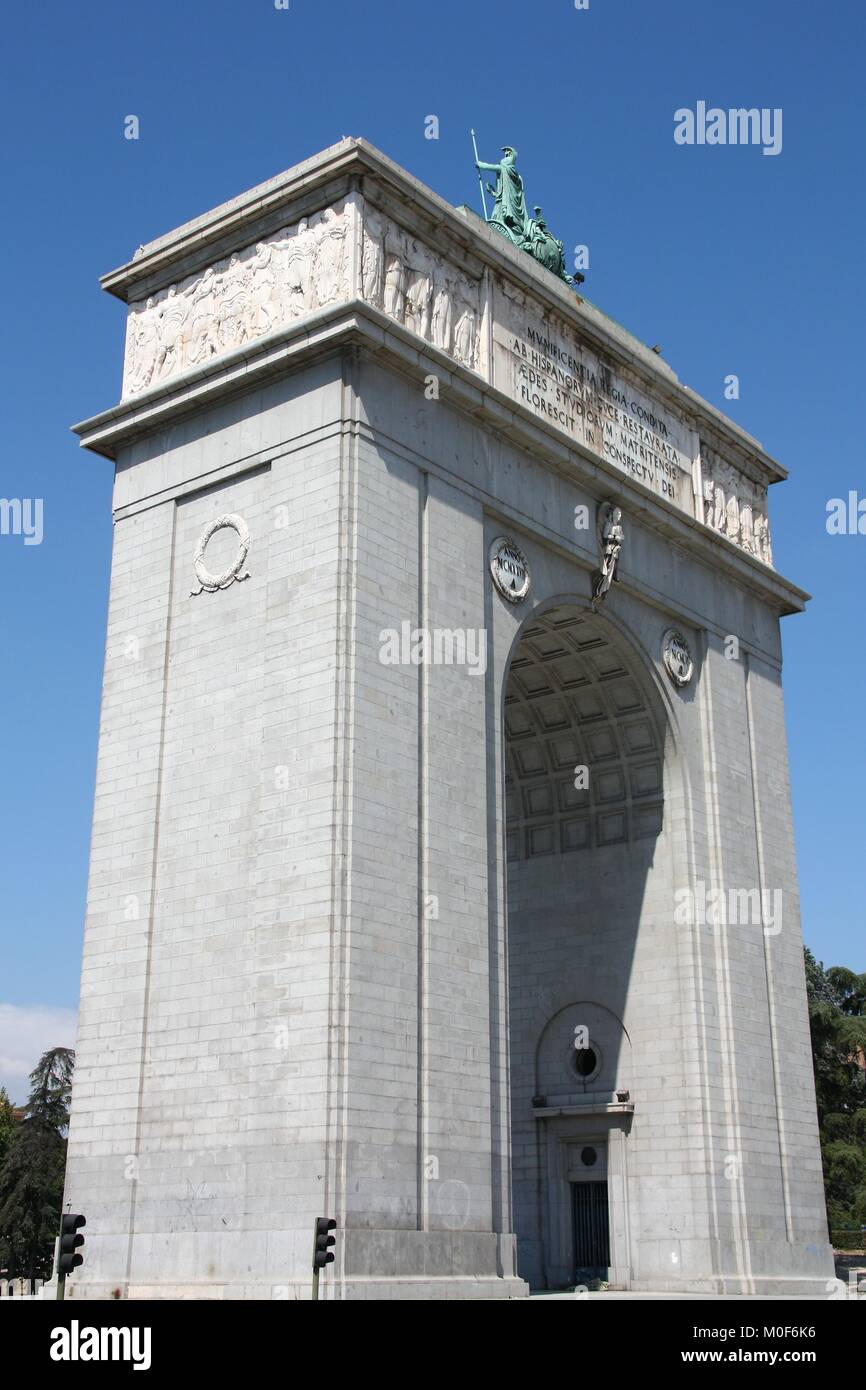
(355, 325)
(309, 184)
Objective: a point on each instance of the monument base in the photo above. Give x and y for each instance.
(448, 1289)
(732, 1287)
(375, 1264)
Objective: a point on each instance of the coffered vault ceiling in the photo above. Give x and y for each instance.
(572, 701)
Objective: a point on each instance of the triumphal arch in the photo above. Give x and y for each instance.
(442, 873)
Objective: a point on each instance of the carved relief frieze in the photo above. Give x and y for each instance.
(419, 289)
(735, 506)
(301, 267)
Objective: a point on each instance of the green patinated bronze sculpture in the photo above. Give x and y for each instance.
(510, 218)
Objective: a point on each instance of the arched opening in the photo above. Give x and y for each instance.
(590, 881)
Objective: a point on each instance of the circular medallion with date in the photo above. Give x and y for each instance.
(677, 657)
(510, 569)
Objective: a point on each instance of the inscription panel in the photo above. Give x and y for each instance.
(539, 362)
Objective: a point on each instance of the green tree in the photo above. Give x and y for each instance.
(7, 1124)
(837, 1021)
(31, 1178)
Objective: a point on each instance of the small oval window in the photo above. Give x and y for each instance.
(585, 1062)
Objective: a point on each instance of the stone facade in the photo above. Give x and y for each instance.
(347, 910)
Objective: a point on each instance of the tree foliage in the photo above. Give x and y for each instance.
(7, 1124)
(837, 1020)
(31, 1173)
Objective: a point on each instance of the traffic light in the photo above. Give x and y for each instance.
(69, 1243)
(321, 1249)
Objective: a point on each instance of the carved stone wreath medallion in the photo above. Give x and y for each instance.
(209, 583)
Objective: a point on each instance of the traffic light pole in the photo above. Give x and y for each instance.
(322, 1240)
(61, 1278)
(67, 1247)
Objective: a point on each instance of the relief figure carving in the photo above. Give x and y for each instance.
(260, 310)
(443, 291)
(372, 259)
(330, 254)
(733, 506)
(395, 275)
(465, 333)
(173, 313)
(203, 337)
(419, 291)
(236, 300)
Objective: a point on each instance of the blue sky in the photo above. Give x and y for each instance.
(733, 261)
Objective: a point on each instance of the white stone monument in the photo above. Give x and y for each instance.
(442, 877)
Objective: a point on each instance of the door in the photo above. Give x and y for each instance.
(590, 1227)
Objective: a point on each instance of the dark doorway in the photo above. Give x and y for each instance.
(590, 1231)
